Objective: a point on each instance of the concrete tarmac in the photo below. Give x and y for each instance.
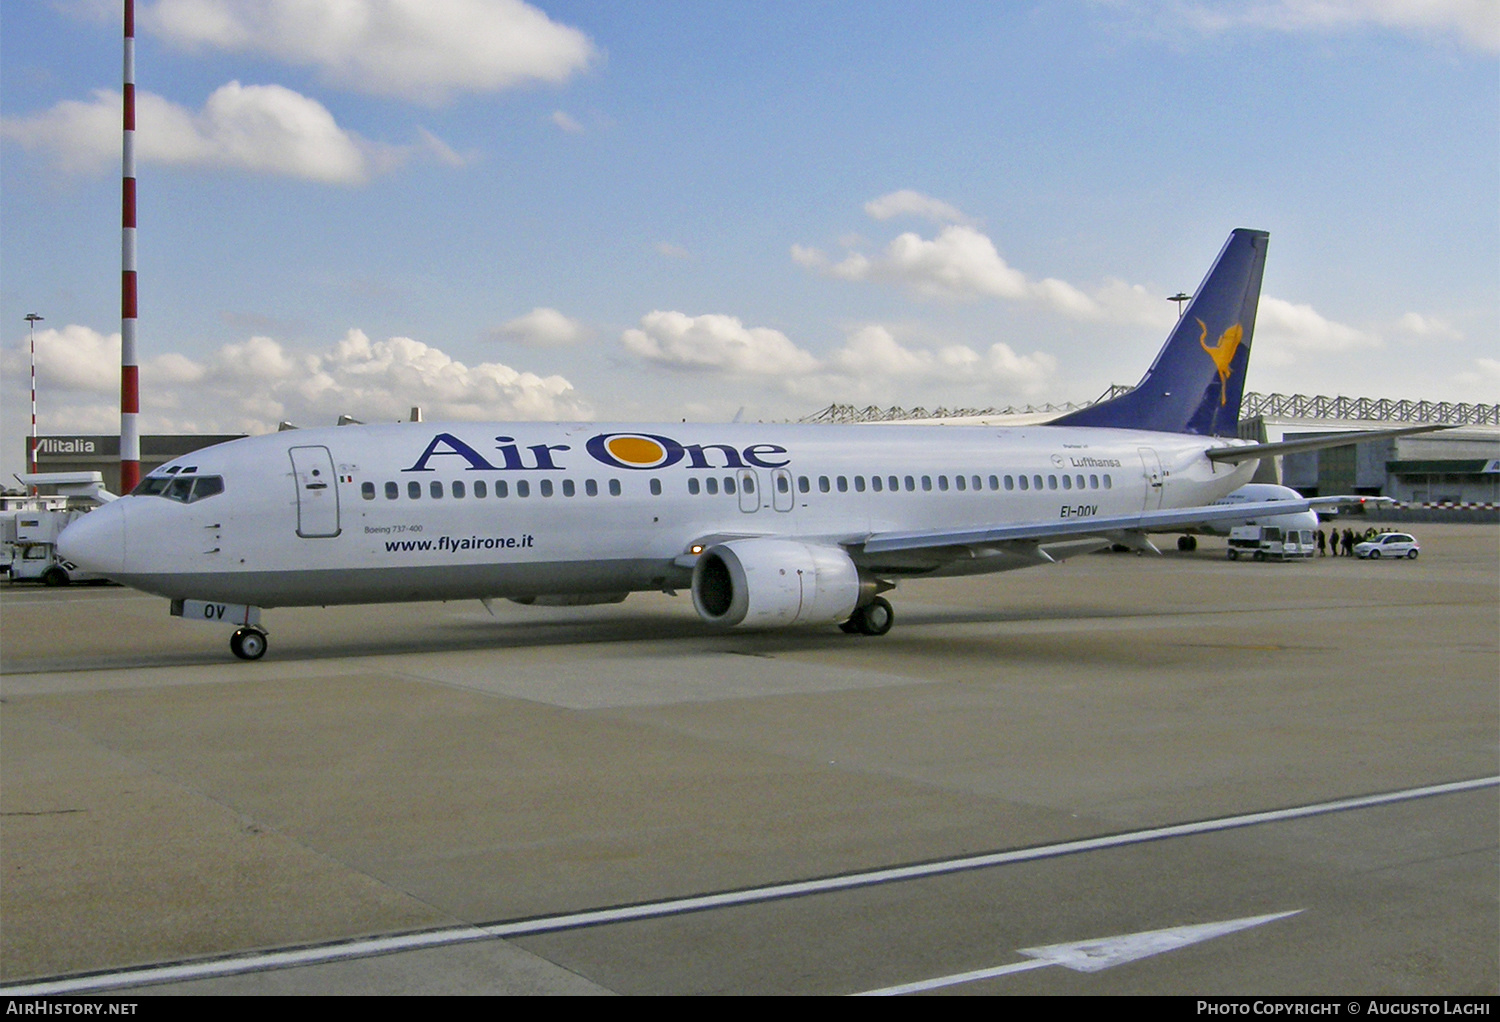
(401, 768)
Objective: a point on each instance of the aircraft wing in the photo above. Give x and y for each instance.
(1112, 527)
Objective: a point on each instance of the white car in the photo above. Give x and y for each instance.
(1392, 544)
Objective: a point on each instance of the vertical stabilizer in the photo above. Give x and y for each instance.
(1196, 382)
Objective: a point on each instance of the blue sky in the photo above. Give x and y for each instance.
(680, 210)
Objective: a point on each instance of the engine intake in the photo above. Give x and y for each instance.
(773, 583)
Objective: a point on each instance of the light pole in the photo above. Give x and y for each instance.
(1181, 298)
(32, 319)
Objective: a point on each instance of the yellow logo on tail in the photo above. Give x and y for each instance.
(1222, 353)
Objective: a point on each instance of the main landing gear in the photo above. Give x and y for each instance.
(248, 643)
(874, 618)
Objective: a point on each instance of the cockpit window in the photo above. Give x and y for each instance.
(182, 487)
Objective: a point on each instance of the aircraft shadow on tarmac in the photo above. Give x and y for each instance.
(474, 632)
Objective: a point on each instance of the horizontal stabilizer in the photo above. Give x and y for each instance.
(1234, 455)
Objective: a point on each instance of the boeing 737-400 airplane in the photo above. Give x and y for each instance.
(766, 525)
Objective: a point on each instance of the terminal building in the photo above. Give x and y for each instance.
(101, 453)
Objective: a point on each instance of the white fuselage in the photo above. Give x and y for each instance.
(418, 511)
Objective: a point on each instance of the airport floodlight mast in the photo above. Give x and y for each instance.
(32, 319)
(1181, 298)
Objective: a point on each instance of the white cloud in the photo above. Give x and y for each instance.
(566, 122)
(257, 128)
(423, 50)
(249, 386)
(542, 327)
(872, 364)
(910, 203)
(1428, 327)
(441, 151)
(1286, 333)
(1474, 23)
(672, 251)
(714, 342)
(962, 263)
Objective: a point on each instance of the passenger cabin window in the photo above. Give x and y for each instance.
(614, 487)
(523, 488)
(436, 489)
(655, 487)
(367, 491)
(480, 489)
(458, 489)
(591, 487)
(502, 488)
(712, 485)
(804, 484)
(414, 490)
(392, 491)
(546, 487)
(568, 488)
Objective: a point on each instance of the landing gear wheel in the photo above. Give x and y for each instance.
(1187, 543)
(248, 643)
(874, 618)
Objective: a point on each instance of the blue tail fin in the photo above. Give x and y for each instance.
(1195, 384)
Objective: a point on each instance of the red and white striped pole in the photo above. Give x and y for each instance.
(32, 319)
(130, 396)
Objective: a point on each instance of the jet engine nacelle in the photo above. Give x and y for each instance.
(772, 583)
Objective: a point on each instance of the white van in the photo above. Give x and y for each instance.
(1271, 542)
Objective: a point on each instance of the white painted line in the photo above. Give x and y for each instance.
(1093, 955)
(322, 953)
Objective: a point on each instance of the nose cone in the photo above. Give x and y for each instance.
(96, 541)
